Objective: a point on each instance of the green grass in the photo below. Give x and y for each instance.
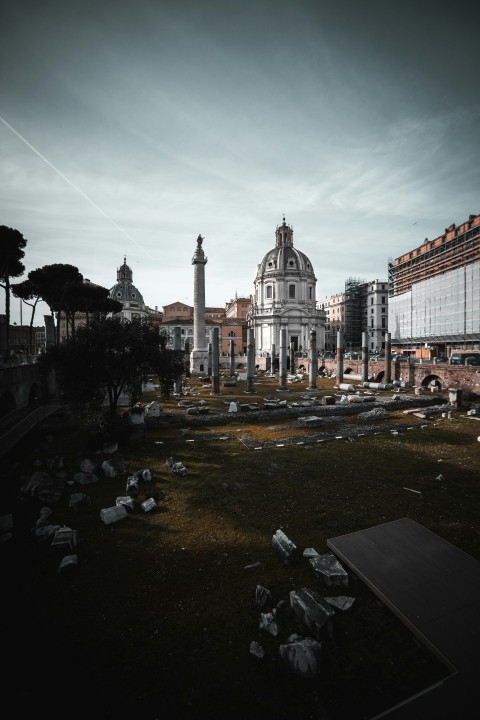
(158, 618)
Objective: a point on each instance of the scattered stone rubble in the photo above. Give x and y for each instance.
(178, 468)
(43, 487)
(302, 653)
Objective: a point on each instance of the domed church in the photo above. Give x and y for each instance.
(125, 292)
(285, 298)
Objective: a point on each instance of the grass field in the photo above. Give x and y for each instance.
(157, 619)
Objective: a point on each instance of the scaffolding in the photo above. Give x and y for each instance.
(355, 301)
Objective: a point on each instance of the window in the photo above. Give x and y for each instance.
(371, 323)
(291, 291)
(310, 293)
(231, 334)
(269, 291)
(383, 322)
(383, 299)
(371, 301)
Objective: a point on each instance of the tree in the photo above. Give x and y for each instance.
(26, 291)
(91, 299)
(12, 243)
(52, 282)
(110, 357)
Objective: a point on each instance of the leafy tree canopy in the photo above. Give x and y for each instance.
(51, 281)
(110, 357)
(12, 243)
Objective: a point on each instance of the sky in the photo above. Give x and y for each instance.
(129, 128)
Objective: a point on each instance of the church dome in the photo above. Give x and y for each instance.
(125, 291)
(284, 258)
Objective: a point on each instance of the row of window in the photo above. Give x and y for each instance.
(291, 292)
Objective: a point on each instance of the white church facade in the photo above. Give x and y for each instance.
(285, 298)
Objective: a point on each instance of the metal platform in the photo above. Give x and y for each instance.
(434, 588)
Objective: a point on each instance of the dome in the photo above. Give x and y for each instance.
(125, 291)
(284, 258)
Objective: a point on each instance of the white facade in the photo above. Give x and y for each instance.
(285, 298)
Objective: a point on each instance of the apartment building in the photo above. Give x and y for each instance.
(434, 291)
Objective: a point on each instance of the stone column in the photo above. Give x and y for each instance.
(388, 357)
(364, 356)
(250, 360)
(187, 358)
(272, 368)
(215, 361)
(292, 358)
(282, 361)
(199, 356)
(177, 346)
(313, 370)
(209, 370)
(232, 356)
(340, 352)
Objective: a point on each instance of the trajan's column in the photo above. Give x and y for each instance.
(199, 354)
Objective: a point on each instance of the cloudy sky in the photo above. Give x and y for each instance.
(128, 128)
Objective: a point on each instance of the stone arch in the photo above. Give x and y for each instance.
(432, 381)
(34, 394)
(380, 376)
(347, 371)
(7, 403)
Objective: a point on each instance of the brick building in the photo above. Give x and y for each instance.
(434, 296)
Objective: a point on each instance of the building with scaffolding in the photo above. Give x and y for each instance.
(362, 307)
(434, 293)
(355, 297)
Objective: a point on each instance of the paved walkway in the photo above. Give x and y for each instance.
(434, 588)
(21, 425)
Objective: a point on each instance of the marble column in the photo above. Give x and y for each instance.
(232, 356)
(177, 346)
(388, 357)
(292, 358)
(364, 356)
(209, 361)
(199, 354)
(250, 361)
(215, 361)
(313, 370)
(282, 360)
(340, 351)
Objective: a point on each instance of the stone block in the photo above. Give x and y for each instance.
(285, 547)
(310, 607)
(310, 421)
(302, 655)
(329, 569)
